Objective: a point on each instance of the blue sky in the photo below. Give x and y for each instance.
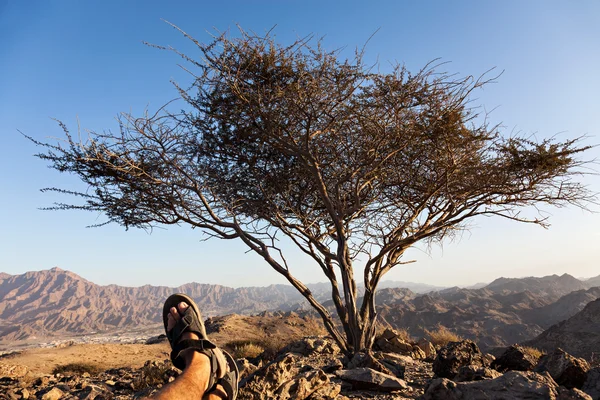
(83, 62)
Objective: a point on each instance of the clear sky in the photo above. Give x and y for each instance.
(84, 61)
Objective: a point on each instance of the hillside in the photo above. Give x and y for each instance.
(58, 303)
(505, 312)
(552, 286)
(578, 335)
(55, 302)
(595, 281)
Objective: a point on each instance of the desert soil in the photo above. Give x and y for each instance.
(43, 361)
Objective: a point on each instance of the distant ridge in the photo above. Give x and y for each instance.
(60, 303)
(578, 335)
(595, 281)
(552, 284)
(53, 302)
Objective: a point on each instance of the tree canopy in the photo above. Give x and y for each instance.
(347, 162)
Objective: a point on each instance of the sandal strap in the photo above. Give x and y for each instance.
(187, 323)
(226, 382)
(203, 346)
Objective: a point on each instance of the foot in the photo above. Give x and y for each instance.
(191, 357)
(193, 353)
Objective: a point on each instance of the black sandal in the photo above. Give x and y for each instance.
(191, 321)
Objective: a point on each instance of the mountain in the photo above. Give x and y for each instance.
(552, 286)
(412, 286)
(54, 302)
(595, 281)
(60, 303)
(505, 312)
(578, 335)
(562, 309)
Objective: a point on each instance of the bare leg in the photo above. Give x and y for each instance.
(193, 382)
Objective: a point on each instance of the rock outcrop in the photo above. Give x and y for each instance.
(592, 383)
(565, 369)
(511, 385)
(515, 358)
(456, 355)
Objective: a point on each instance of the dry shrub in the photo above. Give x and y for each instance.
(274, 344)
(315, 326)
(77, 368)
(244, 349)
(441, 336)
(532, 351)
(404, 335)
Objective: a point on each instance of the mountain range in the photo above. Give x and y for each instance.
(58, 303)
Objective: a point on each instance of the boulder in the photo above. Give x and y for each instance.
(245, 367)
(311, 345)
(264, 383)
(515, 358)
(428, 348)
(512, 385)
(592, 383)
(367, 360)
(394, 345)
(53, 394)
(572, 394)
(470, 373)
(388, 334)
(369, 379)
(314, 384)
(565, 369)
(455, 355)
(162, 338)
(487, 360)
(417, 353)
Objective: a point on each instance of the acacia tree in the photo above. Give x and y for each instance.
(352, 165)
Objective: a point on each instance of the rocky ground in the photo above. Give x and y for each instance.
(313, 368)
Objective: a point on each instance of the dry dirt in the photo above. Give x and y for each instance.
(105, 356)
(268, 329)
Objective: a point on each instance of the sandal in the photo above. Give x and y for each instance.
(220, 360)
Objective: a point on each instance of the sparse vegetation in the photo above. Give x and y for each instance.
(244, 349)
(314, 326)
(532, 351)
(404, 335)
(77, 369)
(441, 336)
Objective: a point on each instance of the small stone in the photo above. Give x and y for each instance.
(470, 373)
(369, 379)
(24, 393)
(417, 353)
(428, 348)
(110, 382)
(53, 394)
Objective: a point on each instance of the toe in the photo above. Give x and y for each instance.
(170, 322)
(182, 307)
